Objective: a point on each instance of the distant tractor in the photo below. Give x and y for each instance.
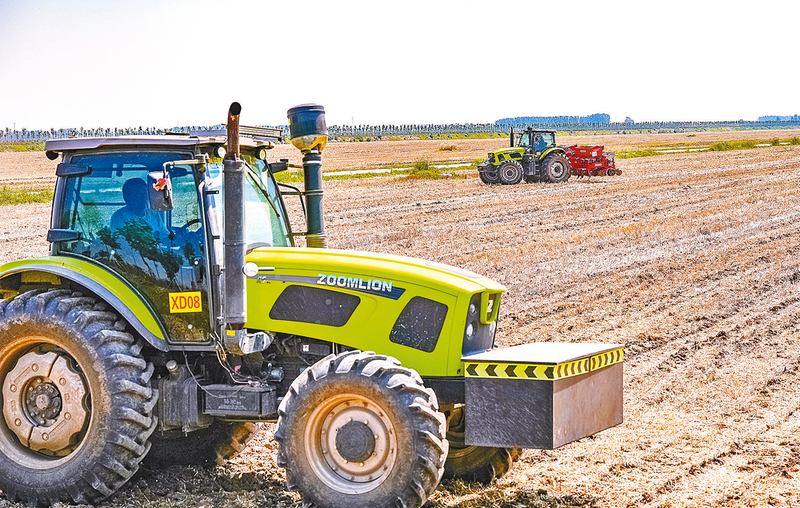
(533, 155)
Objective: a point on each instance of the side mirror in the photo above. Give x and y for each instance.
(159, 191)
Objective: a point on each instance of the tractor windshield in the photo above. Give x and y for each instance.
(266, 224)
(540, 141)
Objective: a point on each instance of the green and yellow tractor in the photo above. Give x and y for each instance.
(533, 155)
(174, 313)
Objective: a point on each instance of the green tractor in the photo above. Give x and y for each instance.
(174, 312)
(533, 155)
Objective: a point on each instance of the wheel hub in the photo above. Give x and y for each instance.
(355, 441)
(351, 443)
(44, 402)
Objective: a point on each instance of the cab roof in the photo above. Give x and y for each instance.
(249, 137)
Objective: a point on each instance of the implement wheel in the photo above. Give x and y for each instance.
(77, 402)
(510, 172)
(474, 463)
(359, 430)
(556, 168)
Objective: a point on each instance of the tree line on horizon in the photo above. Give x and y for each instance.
(503, 126)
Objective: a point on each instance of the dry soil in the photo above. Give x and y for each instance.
(689, 260)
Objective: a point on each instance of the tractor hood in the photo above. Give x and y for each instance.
(356, 270)
(426, 313)
(517, 149)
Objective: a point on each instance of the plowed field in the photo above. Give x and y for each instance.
(690, 260)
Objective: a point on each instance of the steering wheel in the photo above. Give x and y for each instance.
(183, 233)
(185, 228)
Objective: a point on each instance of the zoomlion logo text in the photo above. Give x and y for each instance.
(355, 283)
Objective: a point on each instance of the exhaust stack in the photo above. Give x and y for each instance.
(309, 134)
(235, 301)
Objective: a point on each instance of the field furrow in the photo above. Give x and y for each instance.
(692, 261)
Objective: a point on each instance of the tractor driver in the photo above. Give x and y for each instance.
(538, 143)
(137, 210)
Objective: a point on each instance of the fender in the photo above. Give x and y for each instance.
(110, 288)
(553, 149)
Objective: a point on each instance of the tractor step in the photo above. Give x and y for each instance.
(542, 395)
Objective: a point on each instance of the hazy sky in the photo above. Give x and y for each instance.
(114, 63)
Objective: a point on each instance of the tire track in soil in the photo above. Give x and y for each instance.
(764, 442)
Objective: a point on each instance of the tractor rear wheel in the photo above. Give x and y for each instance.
(359, 430)
(474, 463)
(510, 172)
(77, 401)
(214, 445)
(556, 168)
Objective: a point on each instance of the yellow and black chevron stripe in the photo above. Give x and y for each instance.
(543, 372)
(606, 359)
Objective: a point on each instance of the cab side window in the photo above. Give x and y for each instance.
(160, 253)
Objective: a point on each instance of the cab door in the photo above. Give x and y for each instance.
(161, 254)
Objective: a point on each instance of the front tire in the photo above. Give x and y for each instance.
(489, 175)
(510, 172)
(77, 401)
(359, 430)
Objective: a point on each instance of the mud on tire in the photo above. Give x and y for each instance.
(77, 401)
(359, 430)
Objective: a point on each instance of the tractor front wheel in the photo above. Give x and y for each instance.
(556, 168)
(76, 395)
(474, 463)
(510, 172)
(359, 430)
(489, 175)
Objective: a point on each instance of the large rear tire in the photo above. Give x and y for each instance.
(556, 168)
(474, 463)
(359, 430)
(77, 401)
(510, 172)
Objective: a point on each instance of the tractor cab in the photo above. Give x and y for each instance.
(536, 140)
(154, 217)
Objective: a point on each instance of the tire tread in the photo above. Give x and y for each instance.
(407, 386)
(130, 418)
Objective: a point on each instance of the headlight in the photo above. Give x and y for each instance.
(477, 336)
(250, 269)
